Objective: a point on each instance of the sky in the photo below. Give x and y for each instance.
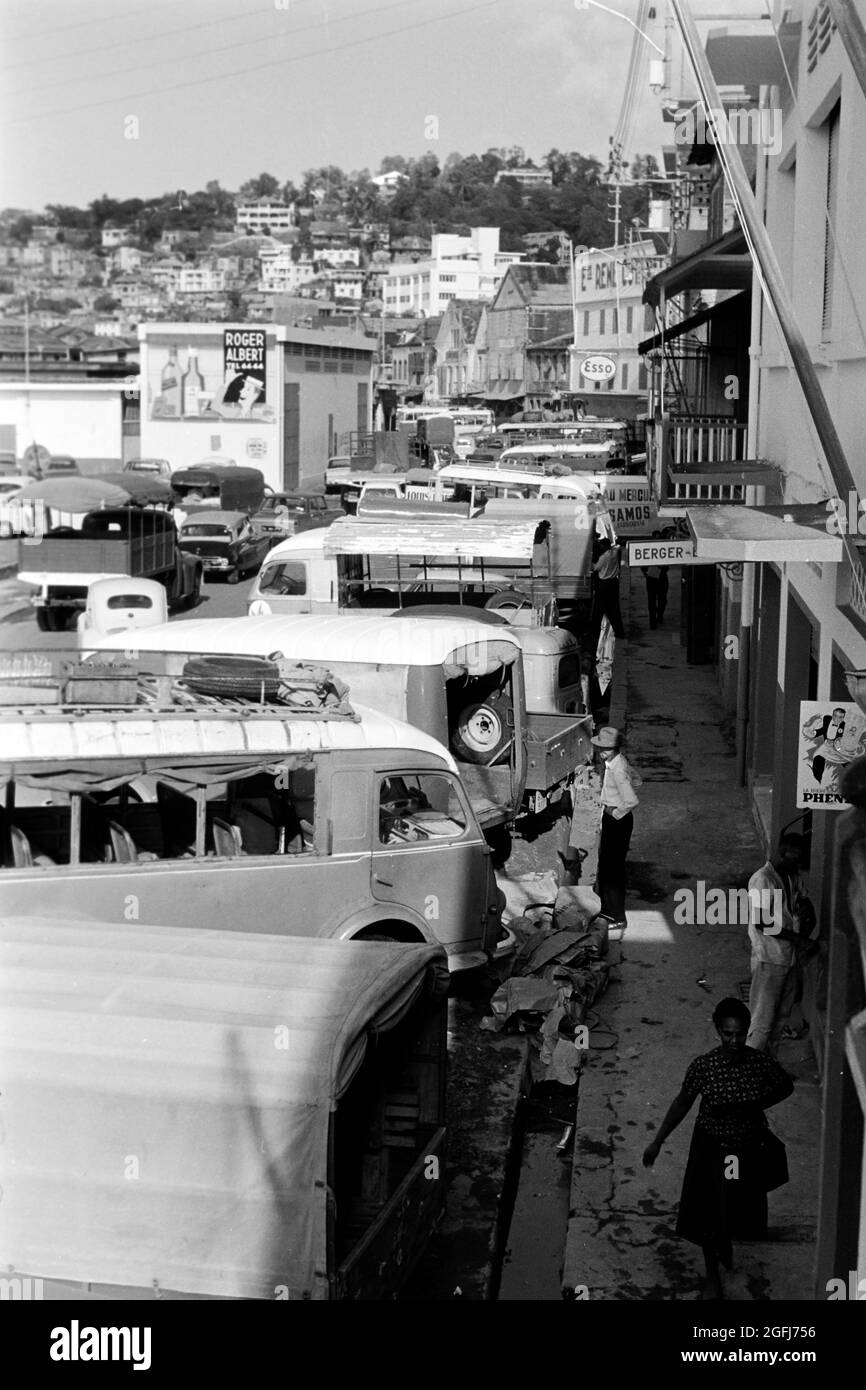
(135, 99)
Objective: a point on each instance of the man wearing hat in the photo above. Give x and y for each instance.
(617, 822)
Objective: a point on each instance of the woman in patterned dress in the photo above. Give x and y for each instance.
(724, 1194)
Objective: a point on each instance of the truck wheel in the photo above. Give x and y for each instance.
(195, 595)
(53, 619)
(481, 733)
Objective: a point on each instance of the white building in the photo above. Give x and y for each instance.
(610, 318)
(348, 284)
(458, 267)
(265, 215)
(196, 279)
(280, 273)
(388, 184)
(112, 236)
(339, 255)
(126, 258)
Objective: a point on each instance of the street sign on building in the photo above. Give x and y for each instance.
(659, 552)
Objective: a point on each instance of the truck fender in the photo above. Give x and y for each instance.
(376, 914)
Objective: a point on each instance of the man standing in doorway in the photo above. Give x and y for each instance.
(774, 897)
(618, 801)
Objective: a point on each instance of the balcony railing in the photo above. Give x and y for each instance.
(701, 460)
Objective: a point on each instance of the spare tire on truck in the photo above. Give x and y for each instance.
(481, 734)
(233, 677)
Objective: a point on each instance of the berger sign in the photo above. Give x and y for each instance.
(598, 367)
(663, 553)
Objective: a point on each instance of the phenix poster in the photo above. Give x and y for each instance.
(832, 734)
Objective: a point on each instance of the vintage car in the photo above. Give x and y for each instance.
(61, 464)
(288, 513)
(160, 467)
(225, 542)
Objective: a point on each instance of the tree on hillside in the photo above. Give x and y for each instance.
(263, 186)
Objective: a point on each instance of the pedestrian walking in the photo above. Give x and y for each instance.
(656, 577)
(778, 947)
(605, 596)
(618, 801)
(734, 1158)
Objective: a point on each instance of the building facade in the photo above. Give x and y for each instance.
(272, 396)
(610, 320)
(458, 267)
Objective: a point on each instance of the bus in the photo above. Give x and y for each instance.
(244, 795)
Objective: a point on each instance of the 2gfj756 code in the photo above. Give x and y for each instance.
(784, 1333)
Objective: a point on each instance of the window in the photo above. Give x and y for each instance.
(641, 377)
(614, 317)
(569, 671)
(586, 323)
(417, 808)
(625, 376)
(629, 319)
(288, 579)
(601, 316)
(830, 220)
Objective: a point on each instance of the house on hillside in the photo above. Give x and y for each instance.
(458, 371)
(533, 304)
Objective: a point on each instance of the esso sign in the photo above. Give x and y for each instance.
(598, 368)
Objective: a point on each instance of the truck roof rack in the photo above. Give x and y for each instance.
(49, 686)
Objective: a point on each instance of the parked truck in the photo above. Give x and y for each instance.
(458, 679)
(139, 542)
(294, 1168)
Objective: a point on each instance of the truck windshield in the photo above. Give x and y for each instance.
(204, 529)
(288, 578)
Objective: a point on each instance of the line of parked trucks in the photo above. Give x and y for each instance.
(293, 869)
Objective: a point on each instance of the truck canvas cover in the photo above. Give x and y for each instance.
(173, 1143)
(469, 540)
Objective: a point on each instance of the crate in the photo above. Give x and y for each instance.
(98, 685)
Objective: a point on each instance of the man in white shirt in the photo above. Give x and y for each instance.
(774, 892)
(618, 801)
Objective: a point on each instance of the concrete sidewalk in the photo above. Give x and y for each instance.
(693, 823)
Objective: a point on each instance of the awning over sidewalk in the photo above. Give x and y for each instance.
(722, 265)
(676, 330)
(793, 533)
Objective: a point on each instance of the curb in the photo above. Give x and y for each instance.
(468, 1247)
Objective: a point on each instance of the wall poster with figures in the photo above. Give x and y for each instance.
(832, 735)
(222, 376)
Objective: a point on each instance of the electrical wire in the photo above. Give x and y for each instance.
(215, 20)
(256, 67)
(207, 52)
(83, 23)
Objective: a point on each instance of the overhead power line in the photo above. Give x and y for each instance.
(257, 67)
(223, 48)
